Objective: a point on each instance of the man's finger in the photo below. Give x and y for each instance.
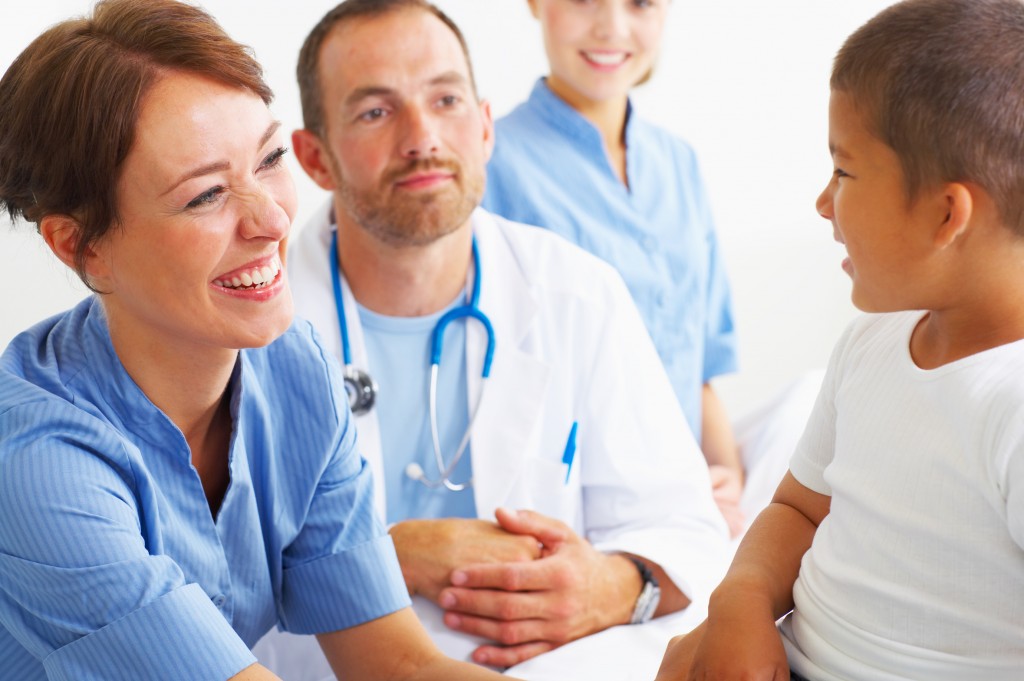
(498, 605)
(537, 575)
(516, 632)
(497, 656)
(548, 531)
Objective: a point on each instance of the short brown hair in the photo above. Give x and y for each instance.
(308, 69)
(70, 102)
(941, 82)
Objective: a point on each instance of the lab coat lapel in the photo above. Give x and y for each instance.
(511, 404)
(367, 425)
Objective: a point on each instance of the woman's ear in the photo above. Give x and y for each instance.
(63, 233)
(959, 205)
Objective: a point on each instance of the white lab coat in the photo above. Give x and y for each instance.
(570, 346)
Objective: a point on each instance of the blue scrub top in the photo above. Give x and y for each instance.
(550, 168)
(111, 564)
(398, 352)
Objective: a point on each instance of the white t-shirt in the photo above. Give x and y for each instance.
(918, 570)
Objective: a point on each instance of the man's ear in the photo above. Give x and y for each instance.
(959, 206)
(488, 122)
(313, 158)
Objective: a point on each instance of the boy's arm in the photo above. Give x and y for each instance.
(739, 638)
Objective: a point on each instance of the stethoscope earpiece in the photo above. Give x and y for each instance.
(414, 471)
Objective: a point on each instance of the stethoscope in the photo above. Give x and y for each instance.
(362, 389)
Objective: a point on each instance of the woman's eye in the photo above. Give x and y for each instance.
(274, 158)
(206, 198)
(449, 100)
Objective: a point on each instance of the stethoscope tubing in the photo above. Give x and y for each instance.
(362, 388)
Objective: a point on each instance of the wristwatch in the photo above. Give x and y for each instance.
(650, 594)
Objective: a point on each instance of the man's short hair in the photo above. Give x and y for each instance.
(308, 69)
(942, 83)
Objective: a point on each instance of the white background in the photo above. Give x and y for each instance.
(745, 81)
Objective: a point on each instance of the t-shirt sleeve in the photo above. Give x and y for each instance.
(816, 448)
(79, 587)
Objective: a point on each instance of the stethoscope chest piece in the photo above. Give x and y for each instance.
(361, 389)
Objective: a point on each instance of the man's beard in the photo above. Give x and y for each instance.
(407, 219)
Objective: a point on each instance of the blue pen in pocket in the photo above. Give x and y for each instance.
(570, 451)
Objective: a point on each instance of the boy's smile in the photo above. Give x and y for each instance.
(889, 239)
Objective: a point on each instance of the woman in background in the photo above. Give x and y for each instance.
(576, 159)
(178, 470)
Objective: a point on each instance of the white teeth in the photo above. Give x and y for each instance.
(606, 58)
(258, 277)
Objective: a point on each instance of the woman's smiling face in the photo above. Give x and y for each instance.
(205, 205)
(599, 49)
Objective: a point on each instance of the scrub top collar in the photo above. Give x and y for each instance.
(560, 115)
(122, 395)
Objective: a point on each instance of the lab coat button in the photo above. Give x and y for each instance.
(219, 600)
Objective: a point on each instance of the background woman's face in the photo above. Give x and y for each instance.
(205, 206)
(599, 49)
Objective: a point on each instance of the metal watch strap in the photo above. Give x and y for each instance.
(650, 594)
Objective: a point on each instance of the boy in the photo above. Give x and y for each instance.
(907, 489)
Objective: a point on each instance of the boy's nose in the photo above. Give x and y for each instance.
(824, 202)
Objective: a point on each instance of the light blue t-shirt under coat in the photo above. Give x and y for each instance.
(111, 564)
(398, 350)
(550, 168)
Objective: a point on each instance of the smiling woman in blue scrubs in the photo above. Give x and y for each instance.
(178, 471)
(575, 158)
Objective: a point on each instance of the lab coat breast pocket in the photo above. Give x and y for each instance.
(551, 494)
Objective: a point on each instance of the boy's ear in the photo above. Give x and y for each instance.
(313, 158)
(959, 204)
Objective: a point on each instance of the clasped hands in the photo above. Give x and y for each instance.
(527, 582)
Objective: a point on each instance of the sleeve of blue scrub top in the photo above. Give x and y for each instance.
(78, 587)
(720, 356)
(341, 569)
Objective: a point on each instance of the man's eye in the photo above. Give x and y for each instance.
(373, 114)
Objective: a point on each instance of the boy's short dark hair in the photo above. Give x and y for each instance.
(942, 83)
(308, 69)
